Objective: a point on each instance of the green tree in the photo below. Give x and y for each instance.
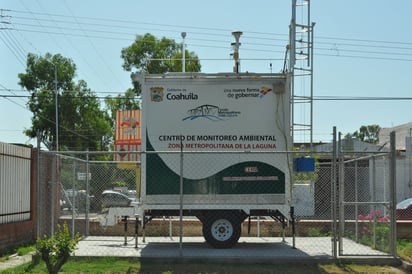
(368, 134)
(126, 101)
(152, 55)
(83, 126)
(56, 250)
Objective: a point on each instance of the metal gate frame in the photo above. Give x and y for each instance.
(339, 203)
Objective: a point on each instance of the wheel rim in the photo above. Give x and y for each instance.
(222, 230)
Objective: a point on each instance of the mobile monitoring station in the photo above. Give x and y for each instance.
(214, 146)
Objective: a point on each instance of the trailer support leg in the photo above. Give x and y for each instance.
(292, 217)
(248, 226)
(124, 219)
(144, 221)
(136, 231)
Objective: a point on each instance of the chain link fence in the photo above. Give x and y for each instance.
(346, 200)
(364, 211)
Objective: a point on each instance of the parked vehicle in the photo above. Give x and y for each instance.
(404, 210)
(70, 197)
(111, 198)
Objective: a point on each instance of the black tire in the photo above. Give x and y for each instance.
(222, 230)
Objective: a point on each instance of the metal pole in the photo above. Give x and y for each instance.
(292, 216)
(86, 217)
(310, 47)
(393, 192)
(292, 57)
(38, 188)
(136, 231)
(52, 196)
(73, 204)
(183, 52)
(124, 219)
(409, 166)
(292, 38)
(341, 181)
(373, 207)
(333, 199)
(311, 87)
(181, 201)
(356, 203)
(56, 106)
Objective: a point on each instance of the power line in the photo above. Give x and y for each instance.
(38, 22)
(265, 34)
(73, 45)
(9, 45)
(94, 47)
(108, 28)
(365, 40)
(16, 44)
(7, 97)
(337, 50)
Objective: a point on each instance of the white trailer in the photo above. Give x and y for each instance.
(196, 129)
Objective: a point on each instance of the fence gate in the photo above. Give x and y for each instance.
(365, 195)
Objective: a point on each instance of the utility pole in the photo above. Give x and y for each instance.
(56, 106)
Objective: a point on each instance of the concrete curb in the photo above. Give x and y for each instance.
(407, 266)
(16, 260)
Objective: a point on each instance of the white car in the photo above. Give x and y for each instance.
(111, 198)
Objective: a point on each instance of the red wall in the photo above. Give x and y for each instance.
(21, 233)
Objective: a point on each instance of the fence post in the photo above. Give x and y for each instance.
(373, 207)
(52, 194)
(333, 194)
(38, 188)
(73, 202)
(341, 197)
(333, 198)
(86, 215)
(356, 203)
(181, 200)
(393, 192)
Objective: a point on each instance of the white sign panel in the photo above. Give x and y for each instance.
(217, 115)
(81, 176)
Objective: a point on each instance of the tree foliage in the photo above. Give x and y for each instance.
(151, 55)
(56, 250)
(82, 124)
(368, 134)
(126, 101)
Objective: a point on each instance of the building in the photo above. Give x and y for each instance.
(403, 160)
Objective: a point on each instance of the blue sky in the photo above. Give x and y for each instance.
(362, 49)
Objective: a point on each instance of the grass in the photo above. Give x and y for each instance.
(24, 250)
(21, 251)
(115, 265)
(84, 265)
(404, 249)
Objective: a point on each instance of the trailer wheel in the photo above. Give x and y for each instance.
(222, 230)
